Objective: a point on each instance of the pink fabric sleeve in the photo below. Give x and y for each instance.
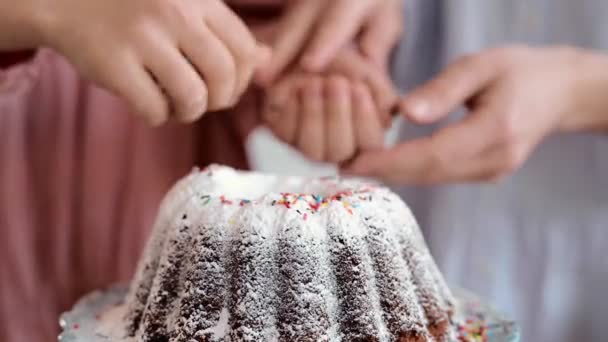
(80, 182)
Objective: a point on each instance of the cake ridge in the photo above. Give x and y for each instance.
(306, 309)
(164, 288)
(399, 304)
(144, 274)
(206, 265)
(427, 279)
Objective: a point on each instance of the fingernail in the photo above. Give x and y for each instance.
(419, 109)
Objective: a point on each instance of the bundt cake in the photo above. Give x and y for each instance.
(243, 256)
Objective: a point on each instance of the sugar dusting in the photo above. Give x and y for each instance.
(266, 258)
(220, 330)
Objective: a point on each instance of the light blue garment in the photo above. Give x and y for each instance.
(536, 244)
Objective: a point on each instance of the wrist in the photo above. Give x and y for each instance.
(588, 111)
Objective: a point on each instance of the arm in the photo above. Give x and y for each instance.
(589, 112)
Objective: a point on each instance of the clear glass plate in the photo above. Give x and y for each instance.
(475, 320)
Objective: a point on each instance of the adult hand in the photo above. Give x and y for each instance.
(164, 58)
(318, 29)
(516, 96)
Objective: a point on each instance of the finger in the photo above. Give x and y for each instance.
(294, 29)
(340, 139)
(281, 109)
(311, 127)
(290, 118)
(355, 67)
(472, 157)
(369, 132)
(384, 94)
(389, 164)
(215, 63)
(381, 34)
(433, 160)
(231, 30)
(127, 78)
(337, 27)
(460, 82)
(486, 149)
(179, 80)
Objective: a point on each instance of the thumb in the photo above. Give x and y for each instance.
(367, 163)
(406, 163)
(461, 81)
(411, 162)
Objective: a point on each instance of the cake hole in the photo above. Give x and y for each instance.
(251, 185)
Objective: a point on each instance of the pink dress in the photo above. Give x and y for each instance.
(80, 181)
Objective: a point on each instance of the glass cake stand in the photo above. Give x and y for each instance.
(475, 320)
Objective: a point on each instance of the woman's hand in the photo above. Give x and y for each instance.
(164, 58)
(318, 29)
(515, 96)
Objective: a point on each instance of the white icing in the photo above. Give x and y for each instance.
(221, 180)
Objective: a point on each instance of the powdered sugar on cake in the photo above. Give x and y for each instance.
(238, 256)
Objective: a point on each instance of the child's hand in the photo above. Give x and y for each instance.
(516, 97)
(330, 117)
(165, 58)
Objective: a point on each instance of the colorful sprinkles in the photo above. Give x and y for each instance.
(313, 203)
(206, 199)
(477, 327)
